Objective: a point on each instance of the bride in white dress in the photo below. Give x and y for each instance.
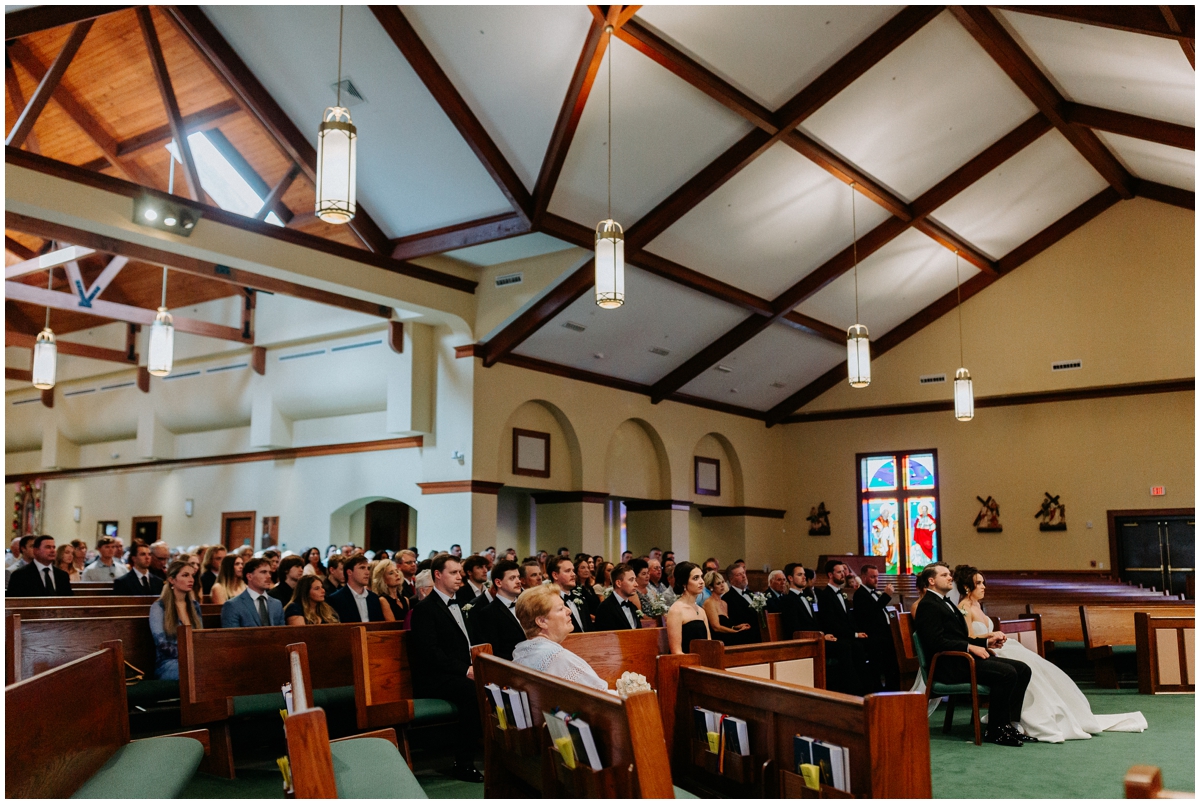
(1054, 709)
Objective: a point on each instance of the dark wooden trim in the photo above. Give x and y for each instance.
(842, 170)
(1000, 401)
(657, 505)
(1176, 197)
(444, 92)
(34, 19)
(952, 242)
(157, 520)
(470, 350)
(26, 341)
(1004, 50)
(697, 462)
(1056, 231)
(812, 326)
(287, 454)
(48, 398)
(1134, 19)
(396, 336)
(17, 98)
(1114, 554)
(167, 92)
(557, 497)
(258, 103)
(17, 248)
(518, 434)
(559, 298)
(48, 85)
(454, 486)
(258, 360)
(460, 235)
(1131, 125)
(701, 283)
(274, 198)
(143, 379)
(19, 375)
(226, 516)
(708, 356)
(740, 510)
(196, 121)
(112, 184)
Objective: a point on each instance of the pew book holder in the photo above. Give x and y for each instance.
(583, 782)
(791, 785)
(522, 742)
(742, 770)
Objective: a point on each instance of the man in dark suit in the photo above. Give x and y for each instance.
(618, 611)
(799, 614)
(496, 623)
(291, 570)
(40, 578)
(354, 602)
(738, 601)
(475, 574)
(562, 575)
(253, 607)
(872, 618)
(777, 591)
(846, 657)
(440, 656)
(942, 627)
(139, 580)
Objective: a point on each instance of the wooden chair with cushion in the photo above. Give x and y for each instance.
(937, 689)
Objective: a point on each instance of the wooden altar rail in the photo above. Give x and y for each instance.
(800, 660)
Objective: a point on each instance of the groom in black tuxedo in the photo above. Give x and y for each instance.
(942, 627)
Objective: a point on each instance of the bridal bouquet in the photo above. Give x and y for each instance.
(758, 601)
(629, 683)
(655, 607)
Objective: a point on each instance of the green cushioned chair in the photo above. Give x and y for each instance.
(428, 711)
(936, 689)
(335, 698)
(151, 691)
(371, 767)
(1124, 650)
(269, 703)
(681, 793)
(159, 767)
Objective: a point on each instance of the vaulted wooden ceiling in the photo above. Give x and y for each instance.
(736, 132)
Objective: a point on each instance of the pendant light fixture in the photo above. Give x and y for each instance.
(45, 351)
(610, 237)
(858, 340)
(337, 154)
(964, 392)
(162, 338)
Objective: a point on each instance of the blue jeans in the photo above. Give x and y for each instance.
(167, 669)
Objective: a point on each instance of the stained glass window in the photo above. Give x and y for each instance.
(898, 496)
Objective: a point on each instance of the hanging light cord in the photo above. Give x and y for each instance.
(164, 288)
(49, 286)
(958, 290)
(854, 245)
(609, 31)
(341, 21)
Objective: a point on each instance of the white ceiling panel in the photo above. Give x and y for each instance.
(768, 226)
(1126, 72)
(768, 52)
(415, 172)
(512, 64)
(923, 111)
(656, 314)
(1024, 195)
(1150, 160)
(894, 283)
(664, 132)
(768, 369)
(514, 248)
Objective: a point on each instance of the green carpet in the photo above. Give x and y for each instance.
(1092, 768)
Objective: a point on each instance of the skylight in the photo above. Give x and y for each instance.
(221, 180)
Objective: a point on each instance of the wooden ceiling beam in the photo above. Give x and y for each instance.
(405, 37)
(844, 171)
(813, 326)
(459, 235)
(894, 337)
(254, 99)
(166, 91)
(34, 19)
(161, 135)
(47, 85)
(35, 263)
(560, 297)
(1184, 199)
(1175, 16)
(13, 84)
(275, 197)
(18, 249)
(982, 24)
(1131, 125)
(24, 340)
(1148, 20)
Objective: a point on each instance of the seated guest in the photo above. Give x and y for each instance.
(386, 579)
(81, 550)
(531, 573)
(585, 583)
(717, 611)
(273, 556)
(799, 612)
(138, 581)
(710, 565)
(160, 557)
(686, 620)
(922, 587)
(335, 577)
(308, 606)
(194, 560)
(604, 579)
(740, 611)
(177, 606)
(422, 585)
(496, 624)
(64, 559)
(105, 568)
(40, 577)
(475, 571)
(619, 611)
(355, 602)
(562, 578)
(406, 560)
(776, 590)
(230, 581)
(440, 656)
(641, 571)
(211, 562)
(254, 606)
(547, 621)
(656, 586)
(312, 562)
(291, 570)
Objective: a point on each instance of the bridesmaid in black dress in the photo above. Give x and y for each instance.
(718, 611)
(685, 620)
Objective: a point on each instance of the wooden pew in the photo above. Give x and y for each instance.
(887, 734)
(628, 733)
(221, 671)
(83, 612)
(1145, 781)
(1061, 622)
(774, 626)
(797, 661)
(56, 740)
(1109, 631)
(906, 654)
(74, 600)
(1166, 653)
(1026, 630)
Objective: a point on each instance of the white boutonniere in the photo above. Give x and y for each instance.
(467, 607)
(641, 614)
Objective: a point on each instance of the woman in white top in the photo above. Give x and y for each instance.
(547, 621)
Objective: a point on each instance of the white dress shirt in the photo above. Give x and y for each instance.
(455, 612)
(625, 609)
(360, 600)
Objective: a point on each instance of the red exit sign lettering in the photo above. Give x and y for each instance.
(1158, 491)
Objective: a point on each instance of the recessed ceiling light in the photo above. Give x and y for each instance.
(724, 369)
(150, 215)
(169, 221)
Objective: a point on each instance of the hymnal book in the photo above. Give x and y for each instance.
(561, 737)
(518, 705)
(708, 728)
(823, 759)
(845, 770)
(287, 697)
(496, 699)
(802, 751)
(585, 743)
(737, 736)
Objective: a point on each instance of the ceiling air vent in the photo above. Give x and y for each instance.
(932, 379)
(1066, 365)
(723, 369)
(658, 350)
(351, 96)
(571, 325)
(510, 279)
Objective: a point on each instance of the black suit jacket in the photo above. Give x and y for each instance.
(796, 616)
(343, 603)
(439, 649)
(26, 582)
(581, 627)
(832, 618)
(740, 612)
(207, 580)
(611, 617)
(497, 626)
(776, 602)
(478, 604)
(941, 626)
(283, 593)
(131, 584)
(870, 615)
(465, 595)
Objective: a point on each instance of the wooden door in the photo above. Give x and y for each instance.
(237, 529)
(386, 526)
(147, 528)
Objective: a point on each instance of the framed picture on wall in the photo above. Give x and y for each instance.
(708, 476)
(530, 453)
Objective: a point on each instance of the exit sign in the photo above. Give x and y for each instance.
(1158, 491)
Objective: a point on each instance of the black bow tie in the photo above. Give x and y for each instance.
(627, 604)
(452, 602)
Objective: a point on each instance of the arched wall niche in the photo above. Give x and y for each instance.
(348, 524)
(715, 445)
(566, 457)
(636, 463)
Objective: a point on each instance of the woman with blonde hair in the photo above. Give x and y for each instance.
(64, 559)
(175, 607)
(230, 582)
(546, 621)
(308, 606)
(81, 550)
(717, 610)
(386, 580)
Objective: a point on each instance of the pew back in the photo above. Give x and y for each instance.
(906, 653)
(79, 612)
(383, 693)
(1105, 627)
(1166, 653)
(794, 661)
(1061, 622)
(1027, 631)
(611, 653)
(74, 600)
